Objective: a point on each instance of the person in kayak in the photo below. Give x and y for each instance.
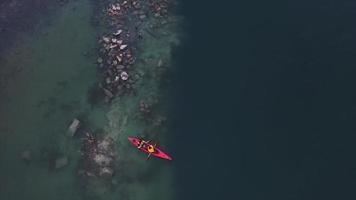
(142, 142)
(150, 148)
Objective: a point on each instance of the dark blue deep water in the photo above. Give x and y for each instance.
(266, 100)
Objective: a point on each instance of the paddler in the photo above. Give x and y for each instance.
(142, 142)
(150, 148)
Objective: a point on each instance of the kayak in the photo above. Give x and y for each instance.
(156, 152)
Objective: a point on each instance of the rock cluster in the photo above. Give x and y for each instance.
(98, 157)
(117, 47)
(159, 7)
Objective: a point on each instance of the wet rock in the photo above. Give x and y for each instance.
(120, 67)
(26, 155)
(163, 22)
(108, 81)
(81, 172)
(74, 126)
(100, 60)
(114, 182)
(61, 162)
(112, 46)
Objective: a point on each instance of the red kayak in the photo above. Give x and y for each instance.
(148, 148)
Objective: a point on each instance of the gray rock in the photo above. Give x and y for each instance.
(102, 160)
(73, 127)
(122, 47)
(108, 93)
(61, 162)
(26, 155)
(160, 63)
(142, 16)
(106, 172)
(120, 67)
(124, 76)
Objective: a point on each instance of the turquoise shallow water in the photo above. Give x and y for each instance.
(49, 79)
(48, 76)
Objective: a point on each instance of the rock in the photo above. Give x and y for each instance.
(142, 16)
(73, 127)
(106, 39)
(61, 162)
(26, 155)
(122, 47)
(112, 46)
(106, 172)
(160, 63)
(100, 60)
(81, 172)
(108, 93)
(118, 32)
(108, 81)
(120, 67)
(104, 145)
(124, 76)
(102, 160)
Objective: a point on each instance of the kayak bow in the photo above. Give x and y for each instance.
(145, 148)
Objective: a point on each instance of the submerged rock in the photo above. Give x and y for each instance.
(26, 155)
(108, 93)
(74, 126)
(106, 172)
(102, 160)
(160, 63)
(61, 162)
